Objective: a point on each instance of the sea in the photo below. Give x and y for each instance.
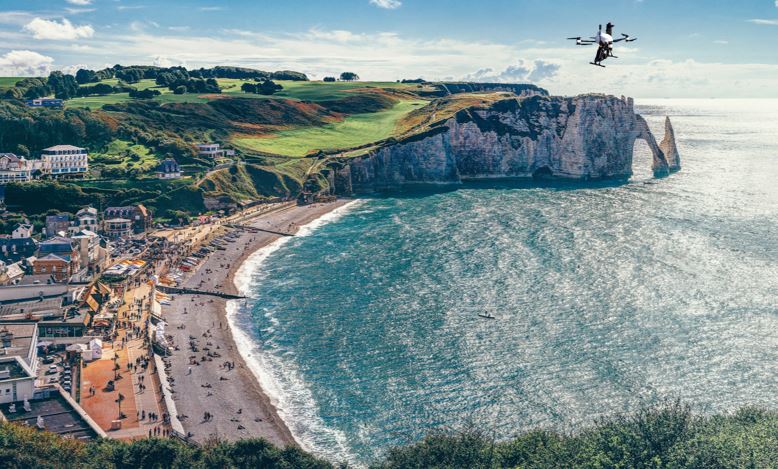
(367, 329)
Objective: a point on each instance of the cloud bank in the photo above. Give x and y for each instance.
(57, 31)
(25, 63)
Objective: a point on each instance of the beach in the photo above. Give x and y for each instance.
(232, 395)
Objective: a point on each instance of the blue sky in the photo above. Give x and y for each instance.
(711, 48)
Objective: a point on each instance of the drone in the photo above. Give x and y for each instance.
(604, 42)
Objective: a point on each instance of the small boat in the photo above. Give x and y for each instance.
(486, 316)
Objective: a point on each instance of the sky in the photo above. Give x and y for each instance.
(685, 48)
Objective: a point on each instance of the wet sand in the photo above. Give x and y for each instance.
(239, 407)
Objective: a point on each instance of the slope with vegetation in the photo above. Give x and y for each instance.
(665, 436)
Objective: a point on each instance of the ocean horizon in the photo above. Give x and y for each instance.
(365, 331)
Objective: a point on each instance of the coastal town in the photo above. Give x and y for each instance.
(114, 325)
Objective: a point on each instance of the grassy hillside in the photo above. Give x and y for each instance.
(353, 130)
(8, 82)
(667, 436)
(295, 90)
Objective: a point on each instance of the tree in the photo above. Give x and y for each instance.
(349, 76)
(144, 94)
(181, 89)
(329, 79)
(63, 86)
(130, 75)
(248, 88)
(84, 76)
(268, 87)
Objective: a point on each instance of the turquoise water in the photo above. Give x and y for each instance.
(367, 332)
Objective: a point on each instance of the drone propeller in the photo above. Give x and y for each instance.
(581, 42)
(626, 38)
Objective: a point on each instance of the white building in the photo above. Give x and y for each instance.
(14, 168)
(65, 160)
(17, 380)
(24, 230)
(212, 150)
(86, 219)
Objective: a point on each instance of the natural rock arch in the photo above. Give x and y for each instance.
(660, 165)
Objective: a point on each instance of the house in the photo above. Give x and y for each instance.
(213, 150)
(14, 168)
(169, 169)
(117, 228)
(58, 267)
(15, 249)
(86, 219)
(44, 102)
(137, 214)
(23, 230)
(58, 257)
(56, 224)
(65, 160)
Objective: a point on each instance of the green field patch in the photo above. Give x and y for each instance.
(121, 158)
(355, 130)
(8, 82)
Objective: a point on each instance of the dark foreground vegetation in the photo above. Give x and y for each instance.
(669, 436)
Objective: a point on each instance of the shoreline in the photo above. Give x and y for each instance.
(239, 405)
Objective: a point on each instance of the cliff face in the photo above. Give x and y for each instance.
(581, 138)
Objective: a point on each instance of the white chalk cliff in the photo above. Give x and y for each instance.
(588, 137)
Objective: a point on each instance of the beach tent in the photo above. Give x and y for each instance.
(96, 346)
(82, 349)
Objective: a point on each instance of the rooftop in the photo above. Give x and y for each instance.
(63, 148)
(22, 335)
(13, 294)
(12, 368)
(59, 416)
(47, 307)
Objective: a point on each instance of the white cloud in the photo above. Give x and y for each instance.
(72, 69)
(162, 61)
(210, 8)
(764, 22)
(79, 2)
(523, 72)
(52, 29)
(179, 29)
(388, 4)
(721, 41)
(25, 63)
(78, 11)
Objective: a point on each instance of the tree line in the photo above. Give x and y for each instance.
(668, 435)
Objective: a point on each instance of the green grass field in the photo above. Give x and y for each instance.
(297, 90)
(310, 90)
(355, 130)
(8, 82)
(167, 96)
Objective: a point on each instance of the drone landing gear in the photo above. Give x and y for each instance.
(599, 65)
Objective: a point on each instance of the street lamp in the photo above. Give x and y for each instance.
(119, 400)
